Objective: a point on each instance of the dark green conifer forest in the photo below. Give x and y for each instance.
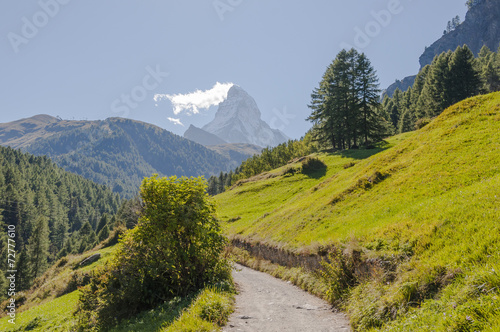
(452, 77)
(54, 212)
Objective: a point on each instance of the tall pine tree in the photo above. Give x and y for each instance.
(38, 246)
(345, 106)
(464, 78)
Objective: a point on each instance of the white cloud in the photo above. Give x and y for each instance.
(191, 103)
(176, 122)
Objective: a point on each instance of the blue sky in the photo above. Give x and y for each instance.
(94, 59)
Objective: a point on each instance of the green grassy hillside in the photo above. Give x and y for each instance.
(430, 204)
(51, 304)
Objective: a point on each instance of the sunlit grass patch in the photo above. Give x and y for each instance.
(429, 206)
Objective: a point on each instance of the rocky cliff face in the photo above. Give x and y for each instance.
(481, 27)
(238, 120)
(402, 85)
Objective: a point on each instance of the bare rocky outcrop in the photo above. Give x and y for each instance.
(89, 260)
(481, 27)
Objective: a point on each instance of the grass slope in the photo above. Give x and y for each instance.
(50, 303)
(49, 306)
(431, 203)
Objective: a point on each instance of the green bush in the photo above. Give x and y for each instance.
(114, 236)
(311, 164)
(421, 123)
(175, 250)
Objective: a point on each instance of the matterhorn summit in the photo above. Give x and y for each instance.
(238, 120)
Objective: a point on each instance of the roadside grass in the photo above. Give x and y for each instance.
(207, 311)
(63, 277)
(430, 204)
(50, 303)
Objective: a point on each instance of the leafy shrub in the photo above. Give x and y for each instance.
(311, 164)
(289, 171)
(421, 123)
(114, 236)
(62, 262)
(78, 279)
(175, 250)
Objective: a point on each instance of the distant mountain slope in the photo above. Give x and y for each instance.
(202, 137)
(402, 85)
(481, 27)
(24, 132)
(238, 120)
(116, 152)
(237, 152)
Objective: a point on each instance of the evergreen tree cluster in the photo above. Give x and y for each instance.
(452, 77)
(269, 159)
(345, 106)
(54, 212)
(452, 25)
(471, 3)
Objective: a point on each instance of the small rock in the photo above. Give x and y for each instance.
(89, 260)
(306, 307)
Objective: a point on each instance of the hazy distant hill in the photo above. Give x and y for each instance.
(237, 152)
(116, 152)
(202, 137)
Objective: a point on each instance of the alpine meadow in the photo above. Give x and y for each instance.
(315, 196)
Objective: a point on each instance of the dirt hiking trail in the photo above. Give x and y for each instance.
(268, 304)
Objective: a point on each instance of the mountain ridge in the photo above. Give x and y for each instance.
(102, 150)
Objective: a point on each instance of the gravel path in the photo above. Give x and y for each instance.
(268, 304)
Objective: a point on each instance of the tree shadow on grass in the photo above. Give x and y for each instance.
(362, 153)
